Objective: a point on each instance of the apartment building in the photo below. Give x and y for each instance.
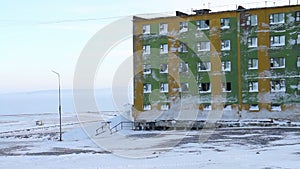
(237, 62)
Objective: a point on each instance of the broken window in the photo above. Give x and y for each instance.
(203, 46)
(203, 24)
(277, 18)
(278, 85)
(277, 63)
(253, 86)
(204, 66)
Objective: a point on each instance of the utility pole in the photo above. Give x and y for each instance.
(59, 105)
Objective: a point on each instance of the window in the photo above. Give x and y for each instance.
(252, 64)
(206, 107)
(251, 20)
(298, 87)
(182, 47)
(277, 63)
(203, 24)
(204, 66)
(277, 18)
(147, 107)
(226, 87)
(164, 107)
(146, 29)
(183, 26)
(163, 48)
(164, 87)
(147, 88)
(203, 46)
(146, 49)
(298, 38)
(278, 85)
(163, 28)
(183, 67)
(228, 107)
(275, 107)
(225, 23)
(254, 107)
(184, 87)
(225, 45)
(226, 66)
(204, 88)
(298, 61)
(252, 42)
(297, 16)
(163, 68)
(253, 86)
(278, 40)
(147, 69)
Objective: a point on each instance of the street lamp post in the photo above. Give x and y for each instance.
(59, 105)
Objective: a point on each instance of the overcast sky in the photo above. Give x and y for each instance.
(38, 36)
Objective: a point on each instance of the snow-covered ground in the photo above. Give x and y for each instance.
(25, 145)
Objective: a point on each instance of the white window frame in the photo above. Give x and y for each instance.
(164, 87)
(276, 107)
(277, 18)
(164, 107)
(163, 28)
(253, 64)
(277, 40)
(252, 42)
(183, 67)
(147, 88)
(253, 107)
(225, 23)
(164, 48)
(207, 107)
(206, 85)
(147, 69)
(163, 68)
(146, 107)
(278, 85)
(252, 20)
(184, 86)
(298, 16)
(298, 38)
(146, 29)
(183, 47)
(227, 107)
(253, 86)
(277, 63)
(203, 46)
(146, 49)
(206, 65)
(225, 45)
(183, 27)
(202, 24)
(226, 66)
(225, 85)
(298, 61)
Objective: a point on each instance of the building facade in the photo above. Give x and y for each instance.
(237, 62)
